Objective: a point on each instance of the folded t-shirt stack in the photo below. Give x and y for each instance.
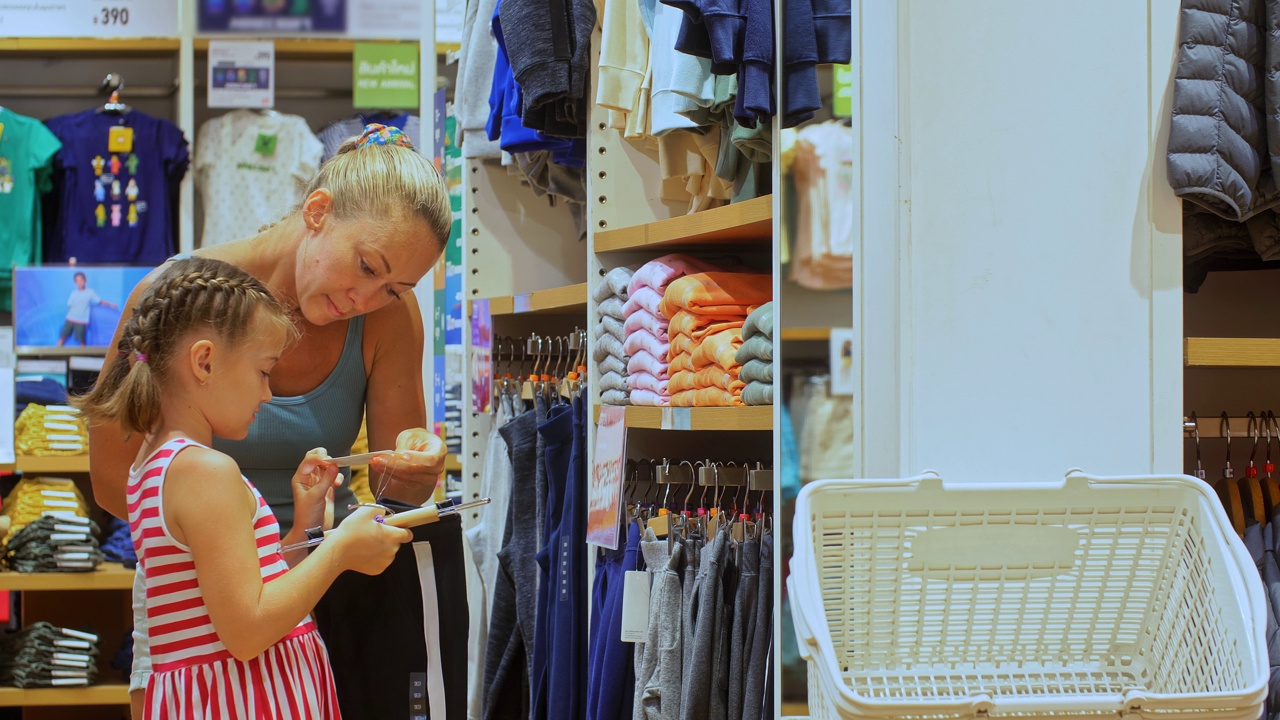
(708, 311)
(610, 297)
(42, 655)
(53, 544)
(37, 497)
(647, 328)
(39, 390)
(51, 430)
(756, 357)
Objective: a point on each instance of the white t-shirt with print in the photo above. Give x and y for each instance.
(251, 170)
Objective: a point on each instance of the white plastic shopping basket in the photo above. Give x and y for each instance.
(1090, 597)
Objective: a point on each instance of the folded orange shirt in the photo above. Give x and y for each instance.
(720, 377)
(682, 381)
(705, 397)
(680, 345)
(717, 293)
(681, 362)
(699, 326)
(718, 349)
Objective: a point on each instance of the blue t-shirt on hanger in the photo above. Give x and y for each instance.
(116, 206)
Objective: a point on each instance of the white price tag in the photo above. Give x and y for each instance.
(104, 19)
(635, 606)
(243, 75)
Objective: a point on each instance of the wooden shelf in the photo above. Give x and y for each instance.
(1232, 352)
(108, 576)
(748, 222)
(53, 464)
(567, 300)
(315, 48)
(750, 417)
(109, 694)
(89, 46)
(806, 334)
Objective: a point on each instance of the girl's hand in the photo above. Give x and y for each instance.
(313, 486)
(411, 475)
(365, 545)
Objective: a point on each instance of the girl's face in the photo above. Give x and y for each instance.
(353, 268)
(240, 380)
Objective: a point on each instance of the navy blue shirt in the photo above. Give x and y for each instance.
(116, 207)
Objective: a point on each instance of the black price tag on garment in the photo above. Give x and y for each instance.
(265, 145)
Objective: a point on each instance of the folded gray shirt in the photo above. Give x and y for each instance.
(759, 322)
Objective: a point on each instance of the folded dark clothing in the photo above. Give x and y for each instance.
(51, 544)
(123, 659)
(117, 544)
(44, 391)
(44, 655)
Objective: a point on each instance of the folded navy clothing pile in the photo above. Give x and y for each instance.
(117, 544)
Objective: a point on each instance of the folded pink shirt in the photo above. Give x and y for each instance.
(645, 340)
(645, 298)
(645, 320)
(659, 273)
(645, 381)
(649, 397)
(643, 362)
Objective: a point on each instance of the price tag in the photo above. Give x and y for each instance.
(242, 74)
(120, 140)
(265, 145)
(111, 18)
(635, 606)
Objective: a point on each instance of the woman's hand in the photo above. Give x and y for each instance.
(313, 486)
(412, 473)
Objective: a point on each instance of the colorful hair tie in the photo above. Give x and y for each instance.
(140, 357)
(375, 134)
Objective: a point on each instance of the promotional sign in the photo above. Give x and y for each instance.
(481, 357)
(110, 19)
(385, 75)
(842, 102)
(841, 348)
(604, 496)
(242, 75)
(272, 16)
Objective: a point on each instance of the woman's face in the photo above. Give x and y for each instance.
(353, 268)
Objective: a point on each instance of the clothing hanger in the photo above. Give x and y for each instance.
(1228, 490)
(1250, 486)
(1270, 485)
(113, 82)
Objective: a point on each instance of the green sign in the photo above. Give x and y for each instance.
(842, 105)
(385, 75)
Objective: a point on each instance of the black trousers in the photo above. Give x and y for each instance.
(398, 641)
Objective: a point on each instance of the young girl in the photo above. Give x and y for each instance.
(231, 634)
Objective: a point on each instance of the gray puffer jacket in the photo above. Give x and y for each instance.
(1224, 139)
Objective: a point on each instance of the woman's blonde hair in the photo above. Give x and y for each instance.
(188, 293)
(389, 182)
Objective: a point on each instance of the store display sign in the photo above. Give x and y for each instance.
(271, 16)
(69, 305)
(841, 347)
(842, 102)
(481, 356)
(243, 75)
(108, 19)
(604, 496)
(385, 75)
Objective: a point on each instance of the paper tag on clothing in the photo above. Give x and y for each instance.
(67, 516)
(78, 657)
(58, 494)
(72, 555)
(69, 673)
(57, 681)
(61, 504)
(82, 564)
(70, 663)
(635, 606)
(265, 145)
(54, 437)
(70, 427)
(76, 644)
(60, 418)
(81, 635)
(68, 528)
(120, 140)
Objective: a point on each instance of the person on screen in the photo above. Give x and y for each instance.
(78, 304)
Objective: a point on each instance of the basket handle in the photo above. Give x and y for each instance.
(804, 636)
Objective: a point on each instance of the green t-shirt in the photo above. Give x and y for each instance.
(27, 148)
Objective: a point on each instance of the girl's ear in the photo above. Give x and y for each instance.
(200, 360)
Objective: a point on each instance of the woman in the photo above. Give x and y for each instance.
(345, 262)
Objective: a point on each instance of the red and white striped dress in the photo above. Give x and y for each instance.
(194, 676)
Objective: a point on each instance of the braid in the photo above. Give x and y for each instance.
(188, 293)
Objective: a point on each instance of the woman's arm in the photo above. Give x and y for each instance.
(110, 454)
(209, 508)
(394, 403)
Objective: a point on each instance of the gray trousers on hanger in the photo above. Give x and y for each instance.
(663, 645)
(757, 698)
(745, 601)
